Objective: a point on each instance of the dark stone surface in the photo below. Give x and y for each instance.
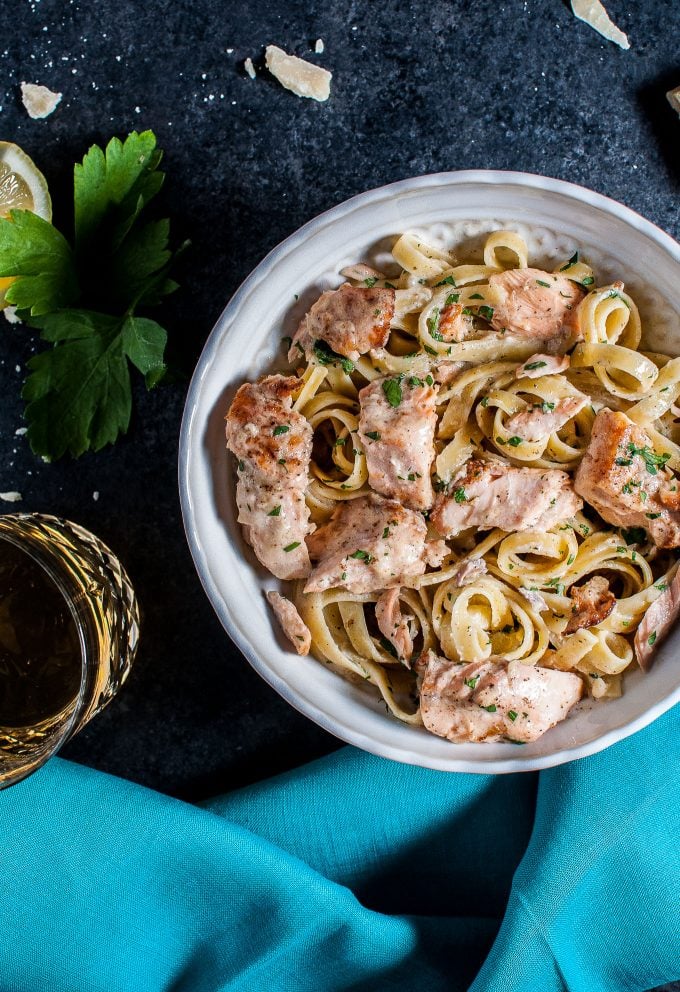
(417, 87)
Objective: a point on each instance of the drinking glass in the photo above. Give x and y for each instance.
(69, 628)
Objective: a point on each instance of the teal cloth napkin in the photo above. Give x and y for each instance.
(351, 873)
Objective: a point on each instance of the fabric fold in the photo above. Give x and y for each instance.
(351, 873)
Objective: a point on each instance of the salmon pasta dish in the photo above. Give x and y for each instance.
(466, 475)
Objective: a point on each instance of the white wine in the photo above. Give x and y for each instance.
(69, 627)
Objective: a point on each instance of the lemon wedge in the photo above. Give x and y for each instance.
(22, 187)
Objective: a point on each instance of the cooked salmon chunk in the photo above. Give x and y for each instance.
(396, 427)
(657, 623)
(492, 700)
(627, 482)
(542, 419)
(454, 324)
(592, 603)
(291, 623)
(351, 320)
(534, 304)
(393, 624)
(495, 494)
(273, 445)
(371, 543)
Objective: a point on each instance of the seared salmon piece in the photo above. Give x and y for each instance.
(493, 700)
(657, 622)
(351, 320)
(291, 623)
(495, 494)
(393, 624)
(273, 445)
(530, 303)
(371, 543)
(454, 324)
(396, 427)
(627, 482)
(540, 420)
(593, 602)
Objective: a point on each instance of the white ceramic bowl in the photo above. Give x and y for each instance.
(555, 217)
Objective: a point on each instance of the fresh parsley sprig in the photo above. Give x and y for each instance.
(84, 297)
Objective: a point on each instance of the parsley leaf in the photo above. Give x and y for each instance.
(83, 298)
(40, 259)
(326, 356)
(392, 390)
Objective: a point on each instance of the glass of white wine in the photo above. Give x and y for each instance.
(69, 628)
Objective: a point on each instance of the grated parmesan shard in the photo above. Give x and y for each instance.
(249, 67)
(298, 76)
(593, 13)
(673, 97)
(11, 497)
(38, 100)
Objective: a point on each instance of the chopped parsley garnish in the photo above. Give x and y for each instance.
(653, 516)
(652, 461)
(499, 440)
(459, 495)
(429, 380)
(634, 535)
(390, 285)
(539, 282)
(485, 401)
(449, 281)
(377, 312)
(386, 532)
(514, 440)
(433, 324)
(476, 296)
(276, 512)
(292, 547)
(429, 350)
(546, 407)
(340, 441)
(281, 461)
(572, 261)
(468, 312)
(651, 638)
(361, 556)
(570, 560)
(623, 461)
(588, 281)
(343, 576)
(451, 299)
(486, 312)
(512, 715)
(415, 381)
(530, 366)
(374, 435)
(471, 683)
(326, 356)
(370, 281)
(411, 477)
(662, 586)
(392, 390)
(490, 709)
(511, 740)
(241, 465)
(281, 429)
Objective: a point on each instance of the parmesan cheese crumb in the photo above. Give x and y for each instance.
(319, 46)
(38, 100)
(95, 495)
(298, 76)
(20, 431)
(594, 14)
(673, 97)
(11, 497)
(249, 67)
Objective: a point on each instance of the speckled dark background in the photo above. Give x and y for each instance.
(417, 87)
